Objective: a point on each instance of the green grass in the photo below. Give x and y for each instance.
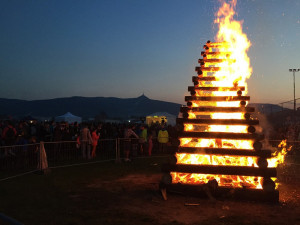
(65, 197)
(45, 199)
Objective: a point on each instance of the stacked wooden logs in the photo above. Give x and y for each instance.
(268, 193)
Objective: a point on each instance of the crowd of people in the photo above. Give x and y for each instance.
(135, 139)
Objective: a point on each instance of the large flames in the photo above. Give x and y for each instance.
(231, 70)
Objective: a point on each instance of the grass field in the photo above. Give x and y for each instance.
(127, 193)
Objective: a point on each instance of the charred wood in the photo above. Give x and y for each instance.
(225, 151)
(219, 122)
(217, 98)
(218, 109)
(221, 170)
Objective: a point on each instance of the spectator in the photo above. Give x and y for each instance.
(128, 134)
(143, 139)
(95, 138)
(86, 141)
(150, 144)
(163, 139)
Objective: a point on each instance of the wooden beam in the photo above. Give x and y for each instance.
(217, 98)
(203, 78)
(225, 193)
(221, 135)
(192, 88)
(226, 151)
(218, 121)
(207, 69)
(221, 170)
(217, 109)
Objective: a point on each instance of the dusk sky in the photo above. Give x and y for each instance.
(122, 48)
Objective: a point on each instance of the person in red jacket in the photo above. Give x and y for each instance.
(95, 138)
(9, 134)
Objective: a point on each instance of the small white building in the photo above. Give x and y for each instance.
(68, 117)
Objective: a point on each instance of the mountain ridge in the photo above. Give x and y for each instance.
(87, 107)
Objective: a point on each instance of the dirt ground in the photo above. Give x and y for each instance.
(139, 195)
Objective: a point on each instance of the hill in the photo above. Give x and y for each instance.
(87, 107)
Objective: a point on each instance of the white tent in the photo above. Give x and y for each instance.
(68, 117)
(161, 116)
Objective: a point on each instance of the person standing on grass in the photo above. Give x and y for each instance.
(128, 134)
(85, 142)
(143, 139)
(150, 144)
(163, 139)
(95, 138)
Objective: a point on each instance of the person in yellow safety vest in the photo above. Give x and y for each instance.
(163, 139)
(143, 139)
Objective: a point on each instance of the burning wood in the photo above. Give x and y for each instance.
(217, 98)
(219, 142)
(190, 88)
(223, 151)
(217, 121)
(221, 135)
(222, 170)
(217, 109)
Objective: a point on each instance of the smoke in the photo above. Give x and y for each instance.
(265, 128)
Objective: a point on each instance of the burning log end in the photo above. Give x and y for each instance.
(196, 83)
(257, 145)
(173, 160)
(193, 92)
(199, 72)
(213, 184)
(208, 41)
(243, 103)
(166, 179)
(262, 163)
(185, 115)
(268, 184)
(251, 129)
(239, 93)
(205, 47)
(247, 116)
(177, 142)
(210, 188)
(202, 53)
(189, 104)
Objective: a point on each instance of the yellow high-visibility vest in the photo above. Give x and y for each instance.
(163, 136)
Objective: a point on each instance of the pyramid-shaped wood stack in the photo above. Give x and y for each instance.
(203, 105)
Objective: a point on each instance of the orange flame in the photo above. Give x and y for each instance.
(233, 68)
(278, 157)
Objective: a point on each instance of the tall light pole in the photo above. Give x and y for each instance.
(294, 71)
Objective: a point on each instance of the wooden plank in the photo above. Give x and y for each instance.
(203, 78)
(264, 153)
(221, 170)
(217, 109)
(224, 193)
(192, 88)
(217, 98)
(221, 135)
(218, 121)
(207, 69)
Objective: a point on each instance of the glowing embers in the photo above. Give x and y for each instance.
(233, 181)
(216, 143)
(216, 128)
(198, 159)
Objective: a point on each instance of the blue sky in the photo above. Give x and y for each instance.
(122, 48)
